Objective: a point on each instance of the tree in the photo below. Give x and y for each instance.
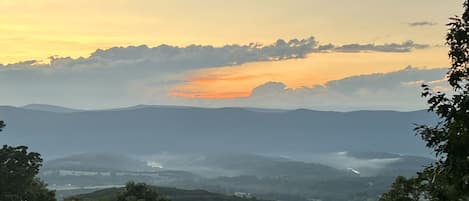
(18, 170)
(139, 192)
(402, 190)
(73, 199)
(2, 125)
(448, 178)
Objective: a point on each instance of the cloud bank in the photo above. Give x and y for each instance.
(118, 76)
(123, 76)
(398, 90)
(165, 57)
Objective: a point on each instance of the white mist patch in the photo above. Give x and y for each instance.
(194, 163)
(353, 170)
(154, 164)
(342, 153)
(343, 161)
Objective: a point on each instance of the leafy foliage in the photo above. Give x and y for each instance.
(447, 179)
(38, 191)
(18, 170)
(139, 192)
(402, 190)
(2, 125)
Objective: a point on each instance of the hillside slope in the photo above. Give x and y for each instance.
(172, 193)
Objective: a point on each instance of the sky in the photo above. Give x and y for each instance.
(315, 54)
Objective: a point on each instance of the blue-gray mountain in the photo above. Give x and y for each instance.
(153, 129)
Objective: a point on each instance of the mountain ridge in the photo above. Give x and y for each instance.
(150, 130)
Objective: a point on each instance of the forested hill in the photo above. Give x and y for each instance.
(150, 129)
(172, 193)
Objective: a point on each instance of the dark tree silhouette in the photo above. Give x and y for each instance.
(139, 192)
(2, 125)
(18, 170)
(448, 178)
(403, 190)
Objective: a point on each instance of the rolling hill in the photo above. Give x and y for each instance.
(173, 193)
(97, 162)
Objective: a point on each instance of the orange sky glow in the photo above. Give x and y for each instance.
(238, 81)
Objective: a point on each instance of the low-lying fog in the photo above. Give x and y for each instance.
(268, 175)
(364, 164)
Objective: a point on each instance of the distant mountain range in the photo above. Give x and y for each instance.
(49, 108)
(55, 131)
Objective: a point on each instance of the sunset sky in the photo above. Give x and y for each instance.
(322, 41)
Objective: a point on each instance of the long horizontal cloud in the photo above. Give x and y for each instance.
(166, 57)
(406, 46)
(421, 24)
(189, 57)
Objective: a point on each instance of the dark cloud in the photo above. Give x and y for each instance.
(268, 89)
(386, 81)
(173, 58)
(422, 23)
(406, 46)
(22, 64)
(327, 47)
(189, 57)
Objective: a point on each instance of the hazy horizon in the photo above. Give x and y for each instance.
(51, 107)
